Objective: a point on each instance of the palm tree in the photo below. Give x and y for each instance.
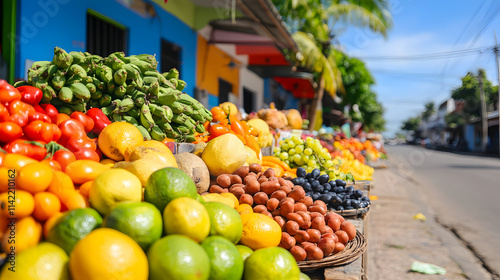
(312, 23)
(428, 111)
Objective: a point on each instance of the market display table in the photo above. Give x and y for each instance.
(353, 271)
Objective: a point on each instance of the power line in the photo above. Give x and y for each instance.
(431, 56)
(486, 23)
(469, 24)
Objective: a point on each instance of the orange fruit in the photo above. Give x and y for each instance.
(115, 138)
(75, 200)
(85, 188)
(20, 207)
(35, 177)
(27, 235)
(49, 223)
(56, 166)
(61, 185)
(16, 161)
(108, 254)
(46, 205)
(84, 170)
(260, 231)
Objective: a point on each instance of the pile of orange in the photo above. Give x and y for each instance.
(38, 193)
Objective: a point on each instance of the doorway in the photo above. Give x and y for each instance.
(225, 88)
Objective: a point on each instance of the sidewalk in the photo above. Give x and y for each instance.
(395, 239)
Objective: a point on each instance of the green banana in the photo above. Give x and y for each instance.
(80, 107)
(37, 64)
(125, 105)
(167, 96)
(196, 115)
(150, 80)
(48, 93)
(110, 87)
(144, 132)
(105, 100)
(65, 110)
(98, 84)
(92, 88)
(80, 91)
(181, 129)
(116, 117)
(188, 100)
(65, 94)
(48, 71)
(104, 73)
(172, 74)
(129, 88)
(154, 89)
(119, 55)
(161, 79)
(178, 108)
(160, 112)
(181, 119)
(174, 83)
(78, 57)
(172, 134)
(114, 63)
(137, 81)
(157, 134)
(21, 83)
(168, 112)
(180, 85)
(130, 120)
(199, 128)
(134, 112)
(107, 110)
(137, 93)
(96, 95)
(120, 76)
(93, 104)
(96, 59)
(146, 117)
(88, 80)
(61, 58)
(58, 81)
(139, 102)
(151, 59)
(143, 65)
(206, 114)
(76, 70)
(41, 84)
(120, 91)
(132, 71)
(73, 80)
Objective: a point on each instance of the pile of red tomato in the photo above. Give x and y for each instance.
(40, 132)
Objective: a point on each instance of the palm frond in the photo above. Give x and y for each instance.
(377, 21)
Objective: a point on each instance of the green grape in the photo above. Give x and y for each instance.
(305, 158)
(281, 142)
(308, 151)
(311, 163)
(295, 138)
(284, 155)
(328, 163)
(292, 152)
(277, 154)
(276, 150)
(291, 144)
(309, 169)
(285, 147)
(287, 161)
(296, 158)
(299, 149)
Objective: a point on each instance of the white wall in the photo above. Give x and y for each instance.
(253, 82)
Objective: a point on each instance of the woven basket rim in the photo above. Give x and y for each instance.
(353, 250)
(353, 212)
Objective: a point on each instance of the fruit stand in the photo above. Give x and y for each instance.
(107, 155)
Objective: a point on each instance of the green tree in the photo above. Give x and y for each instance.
(411, 124)
(312, 23)
(469, 92)
(428, 111)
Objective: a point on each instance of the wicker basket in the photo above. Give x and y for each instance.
(353, 250)
(354, 213)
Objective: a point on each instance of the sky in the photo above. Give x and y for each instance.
(422, 27)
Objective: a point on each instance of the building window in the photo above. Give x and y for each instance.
(105, 36)
(170, 56)
(248, 100)
(225, 88)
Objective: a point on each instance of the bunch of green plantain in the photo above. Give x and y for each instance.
(126, 89)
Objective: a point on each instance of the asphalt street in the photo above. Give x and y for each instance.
(462, 190)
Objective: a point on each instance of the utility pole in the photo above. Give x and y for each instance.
(495, 49)
(484, 113)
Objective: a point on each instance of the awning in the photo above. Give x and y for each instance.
(299, 87)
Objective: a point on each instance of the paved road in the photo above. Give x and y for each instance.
(464, 193)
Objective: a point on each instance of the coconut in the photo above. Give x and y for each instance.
(196, 168)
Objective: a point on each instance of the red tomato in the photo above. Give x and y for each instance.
(19, 119)
(85, 153)
(10, 131)
(88, 122)
(4, 113)
(50, 111)
(8, 93)
(52, 163)
(75, 144)
(39, 116)
(64, 158)
(19, 107)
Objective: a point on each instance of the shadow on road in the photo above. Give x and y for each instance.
(472, 166)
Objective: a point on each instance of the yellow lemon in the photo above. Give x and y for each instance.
(244, 209)
(271, 263)
(252, 156)
(232, 197)
(260, 231)
(215, 197)
(188, 217)
(153, 150)
(108, 254)
(108, 162)
(116, 137)
(142, 168)
(113, 186)
(260, 125)
(229, 108)
(224, 154)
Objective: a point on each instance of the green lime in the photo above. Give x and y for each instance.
(245, 251)
(177, 257)
(225, 259)
(140, 220)
(188, 217)
(45, 261)
(73, 226)
(271, 263)
(224, 221)
(167, 184)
